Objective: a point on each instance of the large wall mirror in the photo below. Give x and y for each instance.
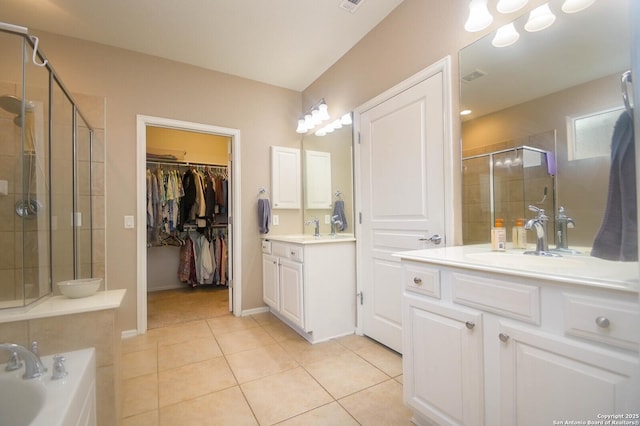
(328, 179)
(541, 123)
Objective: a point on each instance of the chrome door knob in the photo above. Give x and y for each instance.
(435, 239)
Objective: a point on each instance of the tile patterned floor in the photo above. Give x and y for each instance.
(255, 370)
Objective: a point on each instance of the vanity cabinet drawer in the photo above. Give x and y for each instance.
(422, 280)
(508, 299)
(288, 251)
(607, 321)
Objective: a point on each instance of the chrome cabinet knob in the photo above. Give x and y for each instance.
(470, 325)
(417, 281)
(503, 337)
(603, 322)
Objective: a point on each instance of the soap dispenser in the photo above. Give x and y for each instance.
(519, 235)
(498, 236)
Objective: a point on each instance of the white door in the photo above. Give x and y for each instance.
(402, 197)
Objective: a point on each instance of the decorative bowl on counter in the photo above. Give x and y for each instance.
(83, 287)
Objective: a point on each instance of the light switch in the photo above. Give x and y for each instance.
(275, 220)
(129, 222)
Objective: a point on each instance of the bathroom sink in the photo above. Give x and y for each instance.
(519, 259)
(46, 402)
(20, 400)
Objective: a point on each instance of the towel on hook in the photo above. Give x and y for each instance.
(617, 238)
(338, 210)
(264, 213)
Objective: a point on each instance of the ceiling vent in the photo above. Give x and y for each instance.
(351, 5)
(473, 75)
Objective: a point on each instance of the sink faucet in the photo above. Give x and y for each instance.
(33, 365)
(316, 222)
(539, 224)
(335, 223)
(564, 222)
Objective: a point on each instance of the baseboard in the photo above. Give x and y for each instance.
(128, 334)
(254, 311)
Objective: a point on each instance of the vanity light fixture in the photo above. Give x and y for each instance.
(540, 18)
(573, 6)
(505, 36)
(479, 16)
(316, 115)
(345, 120)
(510, 6)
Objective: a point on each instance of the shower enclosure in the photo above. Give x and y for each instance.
(45, 175)
(502, 184)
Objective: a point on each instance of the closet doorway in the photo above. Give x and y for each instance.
(200, 153)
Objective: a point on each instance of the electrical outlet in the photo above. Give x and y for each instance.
(275, 220)
(327, 219)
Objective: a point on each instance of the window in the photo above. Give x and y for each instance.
(590, 135)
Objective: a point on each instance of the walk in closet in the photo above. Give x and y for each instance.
(188, 201)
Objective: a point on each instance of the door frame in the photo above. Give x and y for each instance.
(451, 160)
(141, 211)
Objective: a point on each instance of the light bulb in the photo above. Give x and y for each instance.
(336, 124)
(573, 6)
(479, 16)
(346, 119)
(510, 6)
(308, 121)
(323, 109)
(505, 36)
(315, 116)
(301, 126)
(540, 18)
(321, 132)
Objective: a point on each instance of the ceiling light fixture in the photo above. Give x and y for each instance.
(479, 16)
(573, 6)
(540, 18)
(510, 6)
(316, 115)
(465, 112)
(505, 36)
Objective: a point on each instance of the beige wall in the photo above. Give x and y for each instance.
(415, 35)
(192, 147)
(138, 84)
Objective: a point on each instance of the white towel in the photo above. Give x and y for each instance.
(264, 213)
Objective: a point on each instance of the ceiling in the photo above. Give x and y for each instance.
(286, 43)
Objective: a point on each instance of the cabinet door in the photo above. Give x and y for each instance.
(291, 292)
(442, 361)
(285, 178)
(545, 377)
(270, 289)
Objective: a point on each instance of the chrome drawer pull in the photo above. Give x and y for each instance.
(417, 281)
(603, 322)
(470, 324)
(503, 337)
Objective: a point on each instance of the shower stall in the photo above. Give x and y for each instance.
(45, 175)
(503, 184)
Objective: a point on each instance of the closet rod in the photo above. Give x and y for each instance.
(185, 163)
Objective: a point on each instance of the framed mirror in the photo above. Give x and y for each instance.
(559, 91)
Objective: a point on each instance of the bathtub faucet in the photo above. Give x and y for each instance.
(33, 365)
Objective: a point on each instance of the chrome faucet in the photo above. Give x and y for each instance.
(335, 223)
(539, 224)
(563, 223)
(33, 365)
(316, 222)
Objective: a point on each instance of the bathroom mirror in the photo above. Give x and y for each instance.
(555, 89)
(328, 172)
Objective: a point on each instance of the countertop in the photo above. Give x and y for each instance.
(61, 305)
(310, 239)
(573, 269)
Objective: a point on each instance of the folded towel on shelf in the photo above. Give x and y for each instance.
(617, 238)
(264, 213)
(338, 210)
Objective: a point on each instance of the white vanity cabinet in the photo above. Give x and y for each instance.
(499, 348)
(310, 284)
